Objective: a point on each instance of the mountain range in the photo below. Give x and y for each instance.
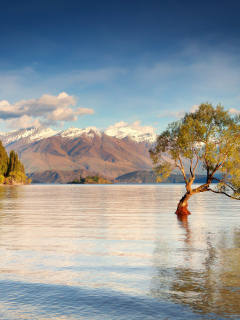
(112, 153)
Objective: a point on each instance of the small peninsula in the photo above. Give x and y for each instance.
(12, 171)
(90, 180)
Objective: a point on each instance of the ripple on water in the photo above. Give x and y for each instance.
(117, 251)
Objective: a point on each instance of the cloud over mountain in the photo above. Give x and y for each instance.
(48, 108)
(23, 122)
(134, 125)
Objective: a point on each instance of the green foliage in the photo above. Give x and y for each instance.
(94, 178)
(11, 168)
(14, 164)
(163, 171)
(210, 136)
(90, 180)
(18, 177)
(2, 178)
(3, 160)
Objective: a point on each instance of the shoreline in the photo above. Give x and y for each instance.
(14, 184)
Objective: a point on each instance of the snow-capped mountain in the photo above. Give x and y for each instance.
(73, 133)
(112, 153)
(133, 134)
(74, 148)
(32, 134)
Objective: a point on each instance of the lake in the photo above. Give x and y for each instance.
(117, 252)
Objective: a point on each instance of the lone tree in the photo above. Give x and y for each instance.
(208, 137)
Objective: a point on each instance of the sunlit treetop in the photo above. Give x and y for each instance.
(208, 137)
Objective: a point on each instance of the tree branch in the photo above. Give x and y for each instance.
(197, 161)
(224, 183)
(205, 157)
(218, 166)
(202, 188)
(183, 172)
(176, 165)
(191, 168)
(222, 192)
(181, 163)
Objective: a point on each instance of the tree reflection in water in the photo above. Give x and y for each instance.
(207, 281)
(183, 222)
(8, 202)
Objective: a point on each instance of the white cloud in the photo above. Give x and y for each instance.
(213, 71)
(146, 129)
(233, 111)
(36, 107)
(52, 108)
(93, 128)
(194, 108)
(179, 114)
(23, 122)
(134, 125)
(118, 125)
(62, 114)
(82, 111)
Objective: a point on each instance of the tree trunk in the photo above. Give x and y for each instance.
(183, 204)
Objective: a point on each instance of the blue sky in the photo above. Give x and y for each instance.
(144, 61)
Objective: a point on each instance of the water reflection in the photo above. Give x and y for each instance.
(206, 280)
(116, 252)
(183, 222)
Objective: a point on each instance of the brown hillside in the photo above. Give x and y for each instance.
(62, 176)
(106, 155)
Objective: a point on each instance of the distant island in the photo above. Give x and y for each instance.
(90, 180)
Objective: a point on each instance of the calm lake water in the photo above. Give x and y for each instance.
(117, 252)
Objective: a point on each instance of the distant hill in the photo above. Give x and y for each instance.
(62, 176)
(112, 153)
(150, 177)
(65, 176)
(75, 149)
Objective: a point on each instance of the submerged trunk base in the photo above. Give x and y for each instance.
(182, 210)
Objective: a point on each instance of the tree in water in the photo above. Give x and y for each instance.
(209, 137)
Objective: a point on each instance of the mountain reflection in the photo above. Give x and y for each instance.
(207, 281)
